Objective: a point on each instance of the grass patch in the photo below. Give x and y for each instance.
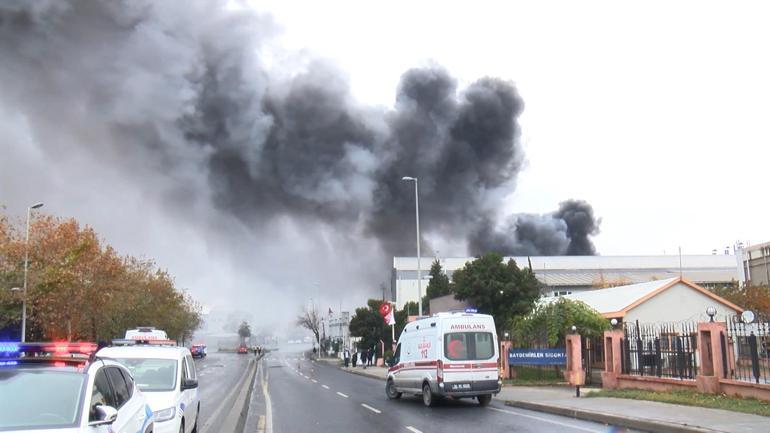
(691, 398)
(534, 376)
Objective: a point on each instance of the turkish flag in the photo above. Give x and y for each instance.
(385, 309)
(390, 319)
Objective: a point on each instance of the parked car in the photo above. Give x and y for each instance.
(243, 349)
(167, 376)
(448, 354)
(60, 387)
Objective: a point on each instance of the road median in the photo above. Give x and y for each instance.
(234, 407)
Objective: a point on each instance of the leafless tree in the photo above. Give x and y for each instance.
(310, 320)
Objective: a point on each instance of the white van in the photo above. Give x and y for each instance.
(447, 354)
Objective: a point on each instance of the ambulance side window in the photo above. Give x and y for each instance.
(397, 355)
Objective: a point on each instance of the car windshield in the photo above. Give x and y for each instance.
(152, 374)
(39, 399)
(464, 346)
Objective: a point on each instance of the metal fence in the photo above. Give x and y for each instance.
(749, 346)
(660, 349)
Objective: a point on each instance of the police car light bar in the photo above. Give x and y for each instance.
(138, 341)
(56, 353)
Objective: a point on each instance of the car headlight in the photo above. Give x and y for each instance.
(164, 414)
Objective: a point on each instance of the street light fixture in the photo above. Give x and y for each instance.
(417, 221)
(711, 311)
(26, 269)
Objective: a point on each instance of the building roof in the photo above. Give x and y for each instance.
(560, 271)
(617, 301)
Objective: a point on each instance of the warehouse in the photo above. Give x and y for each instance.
(563, 275)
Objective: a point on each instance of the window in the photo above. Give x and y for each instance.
(152, 374)
(129, 382)
(24, 392)
(465, 346)
(397, 355)
(101, 393)
(118, 385)
(190, 365)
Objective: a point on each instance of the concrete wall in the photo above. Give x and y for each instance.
(677, 304)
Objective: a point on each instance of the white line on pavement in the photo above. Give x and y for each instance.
(371, 408)
(563, 424)
(314, 381)
(324, 386)
(342, 395)
(412, 429)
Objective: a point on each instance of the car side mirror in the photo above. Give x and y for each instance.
(189, 384)
(105, 415)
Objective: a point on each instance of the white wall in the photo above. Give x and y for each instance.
(677, 304)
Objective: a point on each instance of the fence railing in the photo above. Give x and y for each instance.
(749, 345)
(660, 349)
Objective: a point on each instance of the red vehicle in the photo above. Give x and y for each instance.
(198, 350)
(243, 349)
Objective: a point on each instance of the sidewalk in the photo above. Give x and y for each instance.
(373, 372)
(635, 414)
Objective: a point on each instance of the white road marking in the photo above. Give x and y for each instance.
(371, 408)
(412, 429)
(324, 386)
(563, 424)
(314, 381)
(342, 395)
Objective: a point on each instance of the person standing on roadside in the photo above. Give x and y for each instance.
(355, 359)
(346, 356)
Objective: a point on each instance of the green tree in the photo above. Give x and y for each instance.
(550, 322)
(368, 324)
(439, 282)
(244, 331)
(500, 289)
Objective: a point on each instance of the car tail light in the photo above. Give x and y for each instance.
(440, 371)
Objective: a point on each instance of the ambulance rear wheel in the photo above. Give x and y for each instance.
(484, 399)
(390, 390)
(427, 395)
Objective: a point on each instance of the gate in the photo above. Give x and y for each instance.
(662, 350)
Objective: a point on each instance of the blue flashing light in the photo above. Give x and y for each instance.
(9, 348)
(471, 310)
(8, 363)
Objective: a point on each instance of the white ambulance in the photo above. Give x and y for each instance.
(448, 354)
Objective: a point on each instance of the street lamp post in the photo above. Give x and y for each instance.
(26, 269)
(417, 220)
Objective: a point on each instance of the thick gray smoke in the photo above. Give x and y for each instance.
(175, 97)
(564, 232)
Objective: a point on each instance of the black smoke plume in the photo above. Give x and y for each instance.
(175, 96)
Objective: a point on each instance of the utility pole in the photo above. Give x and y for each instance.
(26, 270)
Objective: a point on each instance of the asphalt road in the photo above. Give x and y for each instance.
(313, 398)
(218, 373)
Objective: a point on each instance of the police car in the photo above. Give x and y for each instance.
(166, 375)
(62, 387)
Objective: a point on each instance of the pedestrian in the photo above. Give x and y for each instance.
(374, 357)
(365, 355)
(371, 357)
(346, 356)
(355, 359)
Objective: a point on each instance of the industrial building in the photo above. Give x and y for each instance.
(563, 275)
(756, 264)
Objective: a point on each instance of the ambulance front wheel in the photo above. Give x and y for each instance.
(484, 399)
(390, 390)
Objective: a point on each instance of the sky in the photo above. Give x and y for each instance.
(653, 114)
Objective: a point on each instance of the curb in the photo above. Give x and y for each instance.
(365, 374)
(236, 418)
(606, 418)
